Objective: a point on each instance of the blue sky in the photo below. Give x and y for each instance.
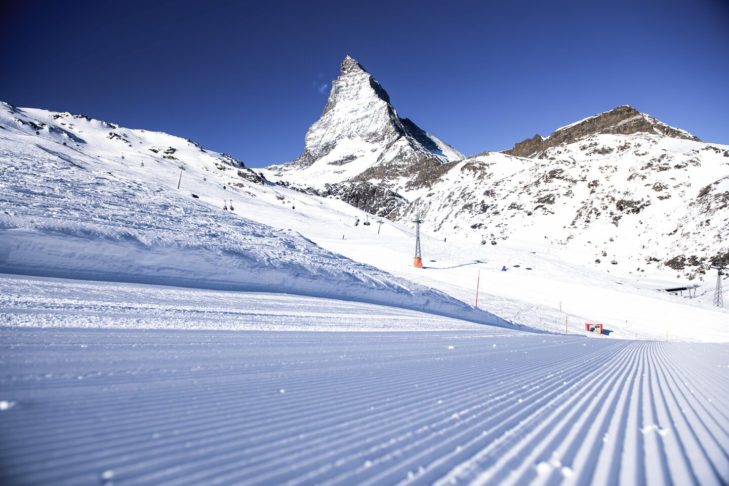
(248, 78)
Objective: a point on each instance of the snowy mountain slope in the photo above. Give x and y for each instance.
(620, 190)
(86, 199)
(621, 203)
(136, 221)
(629, 200)
(360, 135)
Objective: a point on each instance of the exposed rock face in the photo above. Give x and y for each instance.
(528, 147)
(359, 130)
(623, 120)
(419, 174)
(376, 200)
(250, 176)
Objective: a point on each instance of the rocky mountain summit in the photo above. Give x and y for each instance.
(624, 120)
(360, 137)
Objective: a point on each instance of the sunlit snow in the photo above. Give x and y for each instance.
(151, 337)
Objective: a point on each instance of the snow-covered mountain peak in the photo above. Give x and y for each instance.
(360, 136)
(356, 91)
(350, 65)
(623, 120)
(353, 74)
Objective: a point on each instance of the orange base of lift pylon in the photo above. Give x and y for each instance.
(418, 263)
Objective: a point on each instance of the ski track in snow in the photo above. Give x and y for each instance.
(470, 404)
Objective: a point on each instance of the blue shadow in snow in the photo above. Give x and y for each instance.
(475, 262)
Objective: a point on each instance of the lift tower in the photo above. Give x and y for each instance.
(718, 298)
(418, 262)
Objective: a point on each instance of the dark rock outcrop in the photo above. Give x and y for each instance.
(374, 199)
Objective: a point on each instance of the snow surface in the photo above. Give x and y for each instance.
(80, 210)
(481, 406)
(70, 213)
(109, 379)
(50, 302)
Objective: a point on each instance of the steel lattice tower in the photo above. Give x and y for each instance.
(418, 262)
(718, 298)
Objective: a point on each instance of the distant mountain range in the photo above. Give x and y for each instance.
(618, 188)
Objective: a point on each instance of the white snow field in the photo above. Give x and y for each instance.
(51, 302)
(148, 336)
(454, 403)
(106, 206)
(69, 214)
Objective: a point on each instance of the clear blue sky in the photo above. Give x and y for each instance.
(248, 78)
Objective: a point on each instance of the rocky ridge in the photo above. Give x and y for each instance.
(623, 120)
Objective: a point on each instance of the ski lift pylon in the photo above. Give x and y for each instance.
(418, 261)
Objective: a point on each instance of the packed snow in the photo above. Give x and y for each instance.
(480, 406)
(50, 302)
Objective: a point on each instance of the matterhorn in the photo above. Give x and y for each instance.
(361, 138)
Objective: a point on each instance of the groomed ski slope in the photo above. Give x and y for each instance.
(473, 404)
